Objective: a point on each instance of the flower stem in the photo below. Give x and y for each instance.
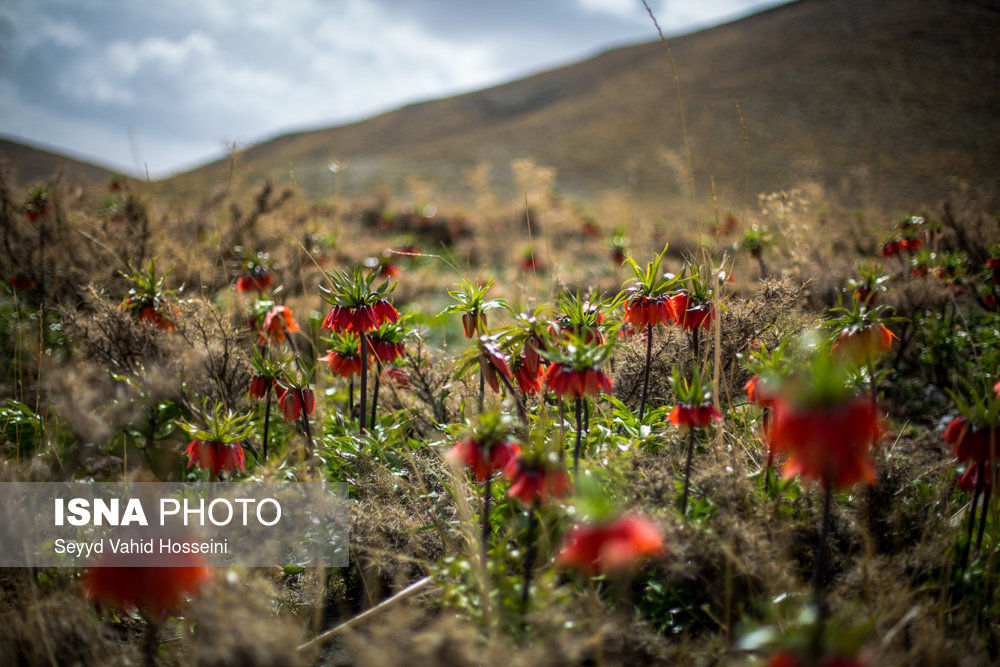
(305, 421)
(645, 375)
(151, 643)
(267, 422)
(579, 436)
(819, 568)
(972, 513)
(482, 389)
(350, 397)
(364, 384)
(694, 342)
(487, 528)
(522, 413)
(529, 557)
(983, 512)
(687, 472)
(378, 381)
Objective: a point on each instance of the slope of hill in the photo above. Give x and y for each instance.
(29, 164)
(889, 103)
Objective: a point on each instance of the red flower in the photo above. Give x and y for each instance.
(967, 482)
(827, 444)
(787, 659)
(919, 271)
(642, 311)
(254, 281)
(610, 547)
(389, 270)
(970, 444)
(890, 249)
(342, 365)
(686, 417)
(530, 263)
(259, 386)
(535, 482)
(153, 316)
(993, 263)
(758, 393)
(398, 375)
(532, 359)
(215, 456)
(528, 382)
(470, 323)
(154, 590)
(865, 343)
(292, 401)
(492, 362)
(361, 319)
(688, 315)
(996, 388)
(385, 351)
(20, 282)
(566, 381)
(277, 323)
(484, 459)
(910, 245)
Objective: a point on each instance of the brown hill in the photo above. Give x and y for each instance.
(29, 164)
(887, 103)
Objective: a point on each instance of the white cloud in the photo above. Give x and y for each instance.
(622, 8)
(182, 74)
(128, 58)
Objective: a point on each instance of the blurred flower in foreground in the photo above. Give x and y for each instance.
(613, 547)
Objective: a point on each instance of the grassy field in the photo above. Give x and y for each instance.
(719, 562)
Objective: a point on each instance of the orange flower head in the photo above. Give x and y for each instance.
(527, 381)
(535, 481)
(614, 547)
(642, 312)
(689, 315)
(864, 343)
(277, 324)
(360, 319)
(259, 386)
(256, 280)
(216, 456)
(483, 456)
(492, 362)
(758, 392)
(686, 417)
(156, 591)
(294, 401)
(564, 380)
(970, 444)
(829, 444)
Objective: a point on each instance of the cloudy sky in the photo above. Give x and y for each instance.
(164, 85)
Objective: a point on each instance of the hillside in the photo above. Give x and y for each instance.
(29, 164)
(887, 103)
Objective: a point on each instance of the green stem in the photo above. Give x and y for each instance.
(819, 569)
(529, 557)
(579, 436)
(645, 375)
(305, 421)
(364, 384)
(485, 519)
(267, 420)
(972, 513)
(687, 472)
(378, 381)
